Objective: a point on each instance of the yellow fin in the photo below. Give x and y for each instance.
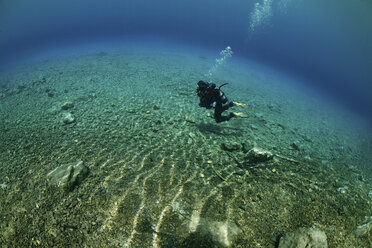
(240, 114)
(243, 105)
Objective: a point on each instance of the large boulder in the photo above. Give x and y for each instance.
(303, 238)
(68, 176)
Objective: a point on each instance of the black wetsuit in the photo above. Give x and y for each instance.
(212, 97)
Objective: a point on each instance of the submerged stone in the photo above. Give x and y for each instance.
(256, 155)
(343, 190)
(190, 118)
(295, 145)
(220, 234)
(68, 176)
(365, 227)
(67, 105)
(230, 146)
(303, 238)
(68, 118)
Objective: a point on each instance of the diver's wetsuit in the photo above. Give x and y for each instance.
(219, 109)
(212, 97)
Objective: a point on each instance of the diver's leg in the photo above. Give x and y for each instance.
(218, 113)
(227, 106)
(221, 118)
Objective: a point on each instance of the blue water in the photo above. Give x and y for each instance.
(326, 43)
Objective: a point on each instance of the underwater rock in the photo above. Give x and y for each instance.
(259, 115)
(246, 147)
(307, 158)
(295, 145)
(68, 118)
(342, 190)
(190, 118)
(224, 232)
(67, 105)
(306, 138)
(304, 237)
(53, 110)
(365, 227)
(254, 127)
(21, 88)
(221, 234)
(67, 176)
(3, 186)
(256, 155)
(230, 146)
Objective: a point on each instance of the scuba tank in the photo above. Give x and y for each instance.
(222, 94)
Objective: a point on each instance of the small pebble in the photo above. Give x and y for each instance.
(342, 190)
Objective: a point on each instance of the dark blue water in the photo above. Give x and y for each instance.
(327, 43)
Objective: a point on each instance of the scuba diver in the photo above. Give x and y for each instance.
(212, 96)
